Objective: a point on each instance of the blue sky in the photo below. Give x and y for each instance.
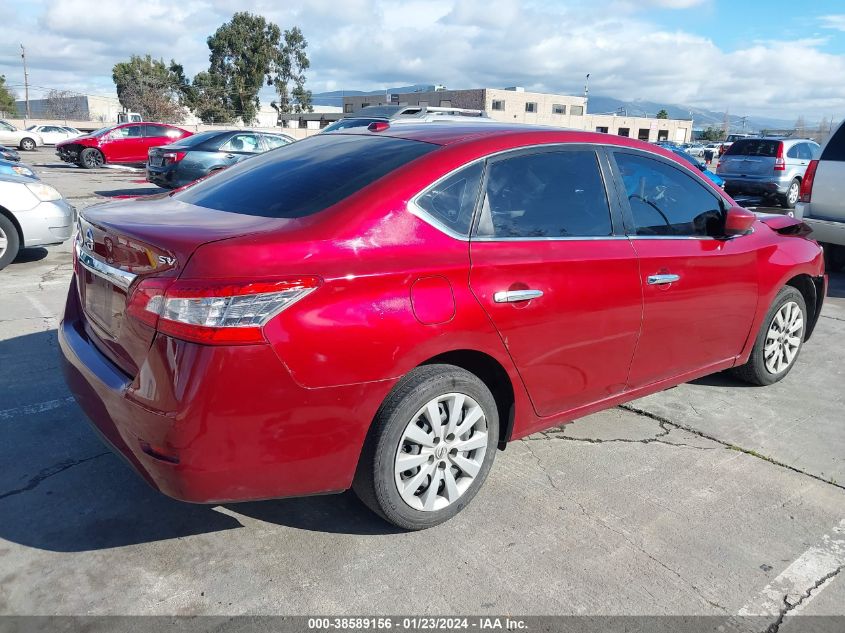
(774, 58)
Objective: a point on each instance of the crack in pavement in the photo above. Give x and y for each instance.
(733, 447)
(826, 316)
(599, 521)
(51, 471)
(559, 433)
(788, 606)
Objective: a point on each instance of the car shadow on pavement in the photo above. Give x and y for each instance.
(62, 490)
(336, 513)
(836, 285)
(722, 379)
(134, 192)
(26, 255)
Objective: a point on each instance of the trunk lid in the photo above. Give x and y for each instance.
(746, 165)
(120, 244)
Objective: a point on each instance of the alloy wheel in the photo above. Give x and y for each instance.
(441, 451)
(28, 144)
(792, 194)
(783, 338)
(4, 243)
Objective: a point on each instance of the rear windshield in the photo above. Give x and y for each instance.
(835, 148)
(754, 147)
(305, 177)
(345, 124)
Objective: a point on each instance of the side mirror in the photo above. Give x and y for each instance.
(738, 221)
(702, 167)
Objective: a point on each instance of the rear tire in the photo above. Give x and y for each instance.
(91, 158)
(779, 340)
(789, 200)
(27, 144)
(442, 422)
(9, 241)
(834, 257)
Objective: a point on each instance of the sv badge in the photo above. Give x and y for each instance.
(167, 261)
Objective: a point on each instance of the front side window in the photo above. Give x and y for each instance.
(452, 201)
(304, 178)
(665, 201)
(273, 141)
(242, 144)
(545, 195)
(130, 131)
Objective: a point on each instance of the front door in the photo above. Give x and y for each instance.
(556, 276)
(126, 145)
(699, 290)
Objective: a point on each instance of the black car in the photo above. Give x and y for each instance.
(196, 156)
(7, 153)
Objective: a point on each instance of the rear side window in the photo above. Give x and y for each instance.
(452, 201)
(754, 147)
(305, 177)
(547, 194)
(666, 201)
(835, 148)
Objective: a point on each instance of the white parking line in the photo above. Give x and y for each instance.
(797, 583)
(29, 409)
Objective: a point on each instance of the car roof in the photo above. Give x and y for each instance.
(450, 133)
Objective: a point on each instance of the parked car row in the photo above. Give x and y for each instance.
(23, 139)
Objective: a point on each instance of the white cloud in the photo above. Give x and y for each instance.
(836, 22)
(370, 44)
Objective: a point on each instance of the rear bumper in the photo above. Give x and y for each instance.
(826, 231)
(751, 185)
(163, 177)
(212, 424)
(46, 223)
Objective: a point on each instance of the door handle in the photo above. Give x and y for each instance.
(513, 296)
(656, 280)
(229, 156)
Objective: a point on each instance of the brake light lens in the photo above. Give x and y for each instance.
(780, 163)
(215, 313)
(172, 157)
(807, 183)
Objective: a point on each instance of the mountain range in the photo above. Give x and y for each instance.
(598, 104)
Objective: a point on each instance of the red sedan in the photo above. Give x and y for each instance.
(127, 143)
(384, 309)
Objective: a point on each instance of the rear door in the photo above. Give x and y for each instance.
(156, 136)
(551, 266)
(699, 290)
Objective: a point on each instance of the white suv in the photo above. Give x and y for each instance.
(822, 200)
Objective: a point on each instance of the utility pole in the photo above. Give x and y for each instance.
(586, 91)
(25, 82)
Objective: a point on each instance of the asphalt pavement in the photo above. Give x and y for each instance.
(712, 498)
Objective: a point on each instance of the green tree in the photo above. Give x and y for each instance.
(712, 134)
(243, 53)
(7, 98)
(291, 64)
(150, 87)
(662, 114)
(208, 99)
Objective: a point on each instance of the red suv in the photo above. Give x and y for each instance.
(127, 143)
(384, 309)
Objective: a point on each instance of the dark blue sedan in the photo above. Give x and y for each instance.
(197, 156)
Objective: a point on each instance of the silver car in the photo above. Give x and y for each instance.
(13, 137)
(32, 213)
(770, 167)
(822, 203)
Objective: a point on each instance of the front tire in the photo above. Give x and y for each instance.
(789, 200)
(9, 242)
(91, 158)
(779, 340)
(27, 144)
(430, 448)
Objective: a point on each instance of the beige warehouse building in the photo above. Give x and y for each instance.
(515, 105)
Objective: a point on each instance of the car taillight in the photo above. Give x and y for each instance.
(807, 183)
(172, 157)
(215, 313)
(780, 163)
